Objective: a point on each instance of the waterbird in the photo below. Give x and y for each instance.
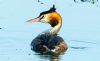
(48, 42)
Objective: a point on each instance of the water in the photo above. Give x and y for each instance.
(80, 30)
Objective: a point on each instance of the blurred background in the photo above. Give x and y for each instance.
(80, 29)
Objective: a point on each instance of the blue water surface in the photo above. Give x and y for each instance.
(80, 29)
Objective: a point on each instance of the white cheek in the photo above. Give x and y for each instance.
(46, 19)
(42, 21)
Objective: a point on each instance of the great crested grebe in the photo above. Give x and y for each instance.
(49, 41)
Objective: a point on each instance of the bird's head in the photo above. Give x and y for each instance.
(50, 16)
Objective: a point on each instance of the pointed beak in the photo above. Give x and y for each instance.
(34, 20)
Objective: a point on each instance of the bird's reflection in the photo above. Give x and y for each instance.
(49, 57)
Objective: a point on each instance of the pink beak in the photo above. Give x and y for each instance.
(34, 20)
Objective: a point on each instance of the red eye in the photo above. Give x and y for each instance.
(41, 16)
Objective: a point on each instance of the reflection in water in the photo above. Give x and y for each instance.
(78, 47)
(49, 57)
(89, 1)
(84, 42)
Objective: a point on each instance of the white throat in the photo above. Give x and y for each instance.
(56, 28)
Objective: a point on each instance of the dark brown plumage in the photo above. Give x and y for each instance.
(44, 43)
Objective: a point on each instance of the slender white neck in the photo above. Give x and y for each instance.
(56, 28)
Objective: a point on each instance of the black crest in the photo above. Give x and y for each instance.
(53, 9)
